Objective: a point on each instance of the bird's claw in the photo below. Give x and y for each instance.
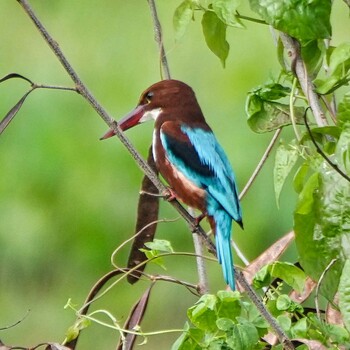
(199, 218)
(170, 195)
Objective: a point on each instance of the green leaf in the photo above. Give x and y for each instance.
(300, 176)
(340, 57)
(160, 245)
(214, 31)
(224, 324)
(322, 221)
(265, 116)
(262, 278)
(153, 255)
(343, 149)
(74, 331)
(285, 159)
(182, 18)
(305, 203)
(251, 314)
(243, 337)
(333, 131)
(228, 304)
(344, 110)
(189, 340)
(339, 65)
(312, 53)
(284, 321)
(283, 302)
(225, 10)
(155, 248)
(203, 314)
(287, 272)
(337, 333)
(312, 17)
(300, 328)
(344, 294)
(271, 91)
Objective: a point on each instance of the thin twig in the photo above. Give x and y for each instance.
(298, 67)
(291, 109)
(159, 39)
(261, 163)
(333, 261)
(251, 19)
(319, 150)
(239, 253)
(15, 324)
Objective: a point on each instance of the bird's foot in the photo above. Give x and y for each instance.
(170, 195)
(199, 218)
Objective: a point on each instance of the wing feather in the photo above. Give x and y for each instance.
(198, 155)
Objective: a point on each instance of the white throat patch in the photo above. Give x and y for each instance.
(152, 114)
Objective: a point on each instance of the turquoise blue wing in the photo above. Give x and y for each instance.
(197, 154)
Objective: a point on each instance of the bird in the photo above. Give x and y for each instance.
(191, 160)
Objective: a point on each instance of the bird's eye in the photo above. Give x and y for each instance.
(149, 96)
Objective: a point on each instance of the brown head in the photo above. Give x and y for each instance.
(165, 100)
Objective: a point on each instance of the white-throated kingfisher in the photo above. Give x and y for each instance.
(191, 160)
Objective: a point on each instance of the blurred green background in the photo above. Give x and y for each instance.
(68, 200)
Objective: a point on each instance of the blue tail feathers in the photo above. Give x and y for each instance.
(223, 225)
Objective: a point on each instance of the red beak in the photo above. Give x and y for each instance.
(130, 120)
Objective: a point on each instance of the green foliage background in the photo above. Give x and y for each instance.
(68, 200)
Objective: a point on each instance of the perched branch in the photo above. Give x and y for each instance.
(298, 67)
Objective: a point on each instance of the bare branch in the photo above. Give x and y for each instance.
(158, 38)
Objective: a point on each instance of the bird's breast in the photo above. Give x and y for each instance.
(185, 190)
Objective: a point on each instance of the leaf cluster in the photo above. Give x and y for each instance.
(314, 73)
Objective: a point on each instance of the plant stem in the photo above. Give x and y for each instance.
(251, 19)
(291, 108)
(261, 163)
(158, 37)
(298, 67)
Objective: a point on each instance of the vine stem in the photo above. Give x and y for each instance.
(261, 163)
(298, 67)
(291, 109)
(82, 89)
